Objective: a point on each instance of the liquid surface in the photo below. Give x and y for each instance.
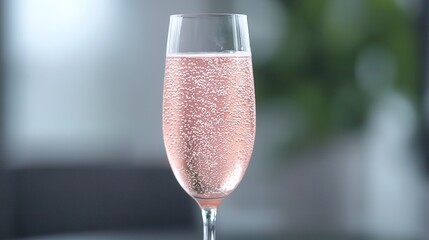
(209, 121)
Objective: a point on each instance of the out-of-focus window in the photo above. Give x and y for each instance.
(84, 79)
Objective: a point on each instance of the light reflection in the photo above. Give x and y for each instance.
(375, 69)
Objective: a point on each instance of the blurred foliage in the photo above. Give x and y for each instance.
(315, 69)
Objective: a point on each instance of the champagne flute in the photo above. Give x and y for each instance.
(208, 107)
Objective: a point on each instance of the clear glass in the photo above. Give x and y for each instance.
(208, 107)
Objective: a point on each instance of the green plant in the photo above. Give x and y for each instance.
(317, 68)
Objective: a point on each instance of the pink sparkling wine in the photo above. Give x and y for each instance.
(209, 121)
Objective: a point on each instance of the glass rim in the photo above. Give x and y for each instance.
(195, 15)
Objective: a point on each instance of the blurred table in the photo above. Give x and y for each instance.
(184, 236)
(115, 236)
(143, 236)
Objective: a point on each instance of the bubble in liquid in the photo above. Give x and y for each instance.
(209, 121)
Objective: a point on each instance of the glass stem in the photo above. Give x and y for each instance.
(209, 220)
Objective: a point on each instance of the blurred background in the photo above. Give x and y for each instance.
(341, 139)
